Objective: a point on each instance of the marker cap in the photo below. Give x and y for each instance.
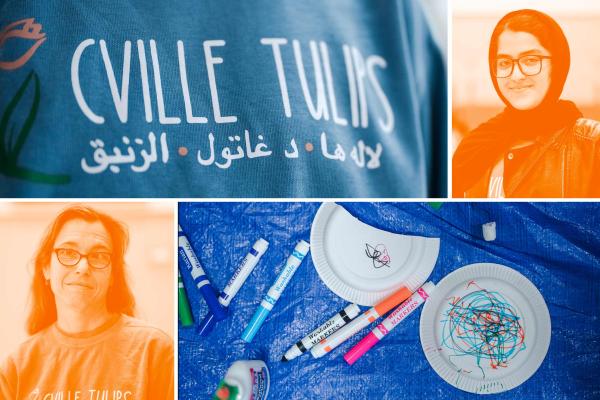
(360, 348)
(393, 300)
(302, 247)
(489, 231)
(255, 323)
(428, 287)
(261, 245)
(352, 310)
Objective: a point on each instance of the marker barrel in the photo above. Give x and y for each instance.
(188, 258)
(395, 317)
(345, 332)
(235, 283)
(185, 312)
(266, 305)
(243, 271)
(329, 327)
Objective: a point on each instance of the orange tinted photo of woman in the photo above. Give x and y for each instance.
(540, 145)
(85, 341)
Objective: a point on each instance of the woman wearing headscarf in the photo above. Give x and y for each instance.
(540, 145)
(85, 343)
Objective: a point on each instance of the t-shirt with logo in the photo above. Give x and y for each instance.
(220, 99)
(125, 359)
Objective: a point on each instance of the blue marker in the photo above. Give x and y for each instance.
(275, 291)
(189, 259)
(235, 283)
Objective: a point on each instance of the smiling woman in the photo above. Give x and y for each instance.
(539, 146)
(82, 323)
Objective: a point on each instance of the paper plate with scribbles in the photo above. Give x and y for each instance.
(363, 264)
(485, 329)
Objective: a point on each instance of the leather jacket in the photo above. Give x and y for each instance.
(567, 164)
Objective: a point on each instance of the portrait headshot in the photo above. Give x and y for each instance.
(525, 100)
(86, 296)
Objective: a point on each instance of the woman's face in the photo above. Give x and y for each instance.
(81, 286)
(523, 92)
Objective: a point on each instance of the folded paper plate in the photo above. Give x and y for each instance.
(485, 329)
(363, 264)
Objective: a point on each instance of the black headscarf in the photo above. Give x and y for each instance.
(484, 146)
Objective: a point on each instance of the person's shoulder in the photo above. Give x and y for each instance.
(30, 348)
(136, 326)
(587, 128)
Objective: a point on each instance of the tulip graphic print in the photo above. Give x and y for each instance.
(24, 29)
(13, 134)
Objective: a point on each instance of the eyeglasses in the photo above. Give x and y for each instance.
(96, 259)
(529, 65)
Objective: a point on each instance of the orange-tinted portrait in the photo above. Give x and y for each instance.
(87, 301)
(525, 103)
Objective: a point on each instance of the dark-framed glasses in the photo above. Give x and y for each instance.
(70, 258)
(529, 65)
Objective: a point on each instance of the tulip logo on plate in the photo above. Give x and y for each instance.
(16, 121)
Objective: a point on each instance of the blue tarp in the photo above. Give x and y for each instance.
(555, 245)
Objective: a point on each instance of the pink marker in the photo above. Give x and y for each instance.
(395, 317)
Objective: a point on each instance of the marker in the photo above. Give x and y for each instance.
(395, 317)
(189, 259)
(235, 283)
(333, 324)
(266, 305)
(185, 313)
(344, 333)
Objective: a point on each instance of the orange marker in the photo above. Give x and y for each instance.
(344, 333)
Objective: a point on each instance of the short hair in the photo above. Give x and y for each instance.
(119, 298)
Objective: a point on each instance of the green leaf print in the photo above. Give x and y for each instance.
(12, 140)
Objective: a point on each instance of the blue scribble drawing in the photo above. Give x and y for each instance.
(484, 326)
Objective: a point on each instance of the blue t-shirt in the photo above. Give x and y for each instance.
(220, 99)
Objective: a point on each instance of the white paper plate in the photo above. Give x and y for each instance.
(485, 329)
(363, 264)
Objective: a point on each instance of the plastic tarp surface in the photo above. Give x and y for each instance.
(555, 245)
